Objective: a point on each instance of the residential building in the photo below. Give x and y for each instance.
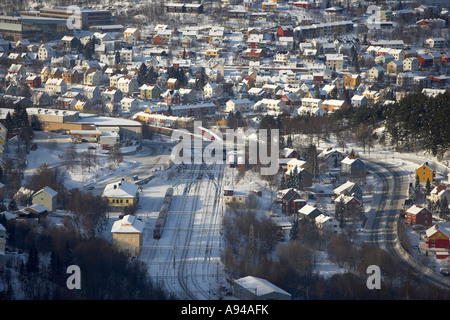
(417, 215)
(332, 157)
(435, 238)
(376, 73)
(440, 192)
(425, 172)
(351, 203)
(411, 64)
(334, 61)
(394, 67)
(120, 195)
(351, 80)
(288, 202)
(238, 105)
(128, 85)
(333, 104)
(46, 197)
(231, 196)
(151, 92)
(359, 100)
(349, 188)
(128, 234)
(309, 212)
(55, 86)
(353, 166)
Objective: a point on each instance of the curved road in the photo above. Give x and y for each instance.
(381, 226)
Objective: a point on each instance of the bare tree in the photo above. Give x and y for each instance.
(70, 156)
(89, 159)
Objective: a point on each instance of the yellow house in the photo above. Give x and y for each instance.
(3, 135)
(351, 80)
(425, 172)
(233, 197)
(372, 96)
(120, 195)
(213, 52)
(128, 234)
(299, 164)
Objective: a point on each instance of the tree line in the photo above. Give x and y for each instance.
(419, 121)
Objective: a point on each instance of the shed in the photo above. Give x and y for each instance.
(253, 288)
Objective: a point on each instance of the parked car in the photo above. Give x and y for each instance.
(444, 271)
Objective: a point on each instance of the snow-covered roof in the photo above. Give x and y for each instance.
(128, 224)
(47, 190)
(415, 209)
(345, 186)
(260, 286)
(120, 189)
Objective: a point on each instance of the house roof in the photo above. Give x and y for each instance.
(120, 189)
(47, 190)
(416, 209)
(308, 209)
(426, 165)
(433, 230)
(290, 195)
(346, 186)
(128, 224)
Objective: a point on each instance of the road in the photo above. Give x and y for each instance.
(381, 226)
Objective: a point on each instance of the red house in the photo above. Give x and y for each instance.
(172, 97)
(436, 238)
(425, 60)
(158, 40)
(418, 215)
(33, 81)
(288, 201)
(352, 205)
(254, 53)
(285, 31)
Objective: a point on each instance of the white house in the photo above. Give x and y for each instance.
(359, 100)
(211, 90)
(129, 104)
(93, 77)
(55, 86)
(411, 64)
(45, 52)
(435, 43)
(128, 85)
(238, 105)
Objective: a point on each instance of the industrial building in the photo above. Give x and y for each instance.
(14, 28)
(85, 17)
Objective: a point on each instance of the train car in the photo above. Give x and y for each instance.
(163, 213)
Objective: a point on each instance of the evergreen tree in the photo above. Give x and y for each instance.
(293, 234)
(32, 263)
(142, 74)
(340, 211)
(443, 208)
(283, 182)
(417, 188)
(428, 187)
(12, 206)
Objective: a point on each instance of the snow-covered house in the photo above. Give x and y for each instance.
(55, 86)
(128, 234)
